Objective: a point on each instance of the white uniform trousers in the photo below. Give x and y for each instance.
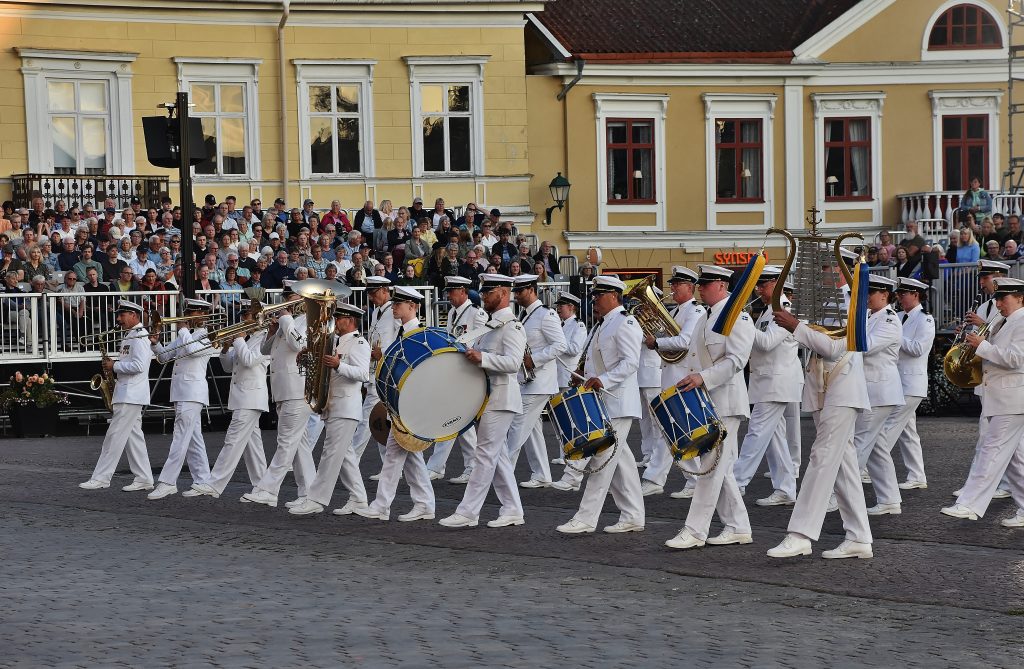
(1000, 458)
(718, 491)
(492, 467)
(337, 458)
(124, 431)
(901, 427)
(292, 416)
(467, 444)
(875, 455)
(620, 477)
(398, 461)
(793, 436)
(766, 431)
(574, 471)
(982, 426)
(363, 436)
(651, 436)
(187, 443)
(832, 465)
(243, 438)
(527, 430)
(661, 462)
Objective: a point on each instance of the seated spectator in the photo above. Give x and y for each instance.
(278, 272)
(390, 269)
(70, 310)
(10, 263)
(546, 256)
(367, 220)
(541, 272)
(124, 249)
(968, 249)
(504, 248)
(1013, 230)
(471, 219)
(331, 273)
(356, 276)
(85, 263)
(954, 243)
(398, 236)
(242, 274)
(976, 200)
(301, 273)
(111, 264)
(141, 264)
(993, 250)
(341, 261)
(15, 310)
(35, 266)
(987, 232)
(165, 268)
(913, 238)
(69, 257)
(416, 248)
(408, 277)
(125, 281)
(905, 265)
(525, 259)
(514, 268)
(1011, 250)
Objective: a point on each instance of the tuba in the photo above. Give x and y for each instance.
(318, 299)
(653, 317)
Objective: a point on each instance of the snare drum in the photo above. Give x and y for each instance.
(431, 390)
(582, 423)
(688, 420)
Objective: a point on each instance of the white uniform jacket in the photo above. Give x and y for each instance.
(188, 376)
(884, 334)
(990, 313)
(775, 371)
(918, 335)
(248, 368)
(835, 377)
(465, 319)
(720, 360)
(575, 333)
(502, 352)
(383, 328)
(544, 336)
(285, 381)
(132, 368)
(1002, 366)
(648, 375)
(686, 316)
(614, 357)
(346, 398)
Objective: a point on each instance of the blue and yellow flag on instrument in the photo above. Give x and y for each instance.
(857, 315)
(738, 299)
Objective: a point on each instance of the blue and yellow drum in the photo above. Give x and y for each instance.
(689, 421)
(582, 423)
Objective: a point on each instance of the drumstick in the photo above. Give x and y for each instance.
(584, 379)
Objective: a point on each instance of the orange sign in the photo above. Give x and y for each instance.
(736, 257)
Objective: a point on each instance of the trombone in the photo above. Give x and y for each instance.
(108, 337)
(262, 318)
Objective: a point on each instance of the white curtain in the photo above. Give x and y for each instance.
(859, 157)
(751, 188)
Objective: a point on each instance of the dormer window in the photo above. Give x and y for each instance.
(965, 27)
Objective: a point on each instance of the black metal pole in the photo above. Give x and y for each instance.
(188, 265)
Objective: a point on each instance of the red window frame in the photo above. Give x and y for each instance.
(965, 143)
(629, 145)
(950, 22)
(737, 147)
(848, 145)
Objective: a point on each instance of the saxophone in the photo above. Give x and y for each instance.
(104, 382)
(653, 317)
(528, 374)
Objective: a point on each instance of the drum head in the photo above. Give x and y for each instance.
(380, 423)
(441, 395)
(590, 448)
(701, 441)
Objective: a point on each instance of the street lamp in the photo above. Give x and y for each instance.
(559, 188)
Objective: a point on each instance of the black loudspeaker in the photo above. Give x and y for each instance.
(162, 140)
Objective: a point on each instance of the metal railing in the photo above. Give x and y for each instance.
(80, 189)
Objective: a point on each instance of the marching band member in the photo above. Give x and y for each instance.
(794, 438)
(648, 375)
(349, 361)
(131, 395)
(686, 313)
(463, 317)
(405, 303)
(190, 392)
(285, 338)
(834, 391)
(499, 353)
(918, 335)
(247, 401)
(885, 393)
(717, 363)
(574, 330)
(776, 381)
(1001, 453)
(538, 380)
(613, 356)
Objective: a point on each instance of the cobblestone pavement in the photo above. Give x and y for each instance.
(107, 578)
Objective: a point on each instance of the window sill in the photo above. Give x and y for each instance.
(831, 200)
(740, 201)
(613, 203)
(215, 178)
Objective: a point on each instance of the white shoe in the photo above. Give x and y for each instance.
(960, 511)
(461, 479)
(535, 483)
(743, 490)
(624, 526)
(729, 537)
(558, 461)
(93, 484)
(958, 492)
(684, 540)
(849, 549)
(258, 496)
(1001, 494)
(191, 492)
(1017, 520)
(350, 508)
(417, 512)
(651, 488)
(307, 508)
(791, 546)
(914, 485)
(864, 478)
(136, 486)
(375, 477)
(436, 476)
(298, 501)
(685, 493)
(767, 475)
(833, 504)
(162, 490)
(575, 527)
(367, 512)
(777, 498)
(205, 489)
(565, 485)
(505, 521)
(458, 520)
(885, 510)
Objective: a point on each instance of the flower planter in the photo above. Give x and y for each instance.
(28, 420)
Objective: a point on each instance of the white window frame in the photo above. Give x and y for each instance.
(961, 103)
(860, 104)
(966, 54)
(38, 66)
(740, 106)
(244, 71)
(633, 106)
(333, 73)
(464, 70)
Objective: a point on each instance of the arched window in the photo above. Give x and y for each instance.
(965, 27)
